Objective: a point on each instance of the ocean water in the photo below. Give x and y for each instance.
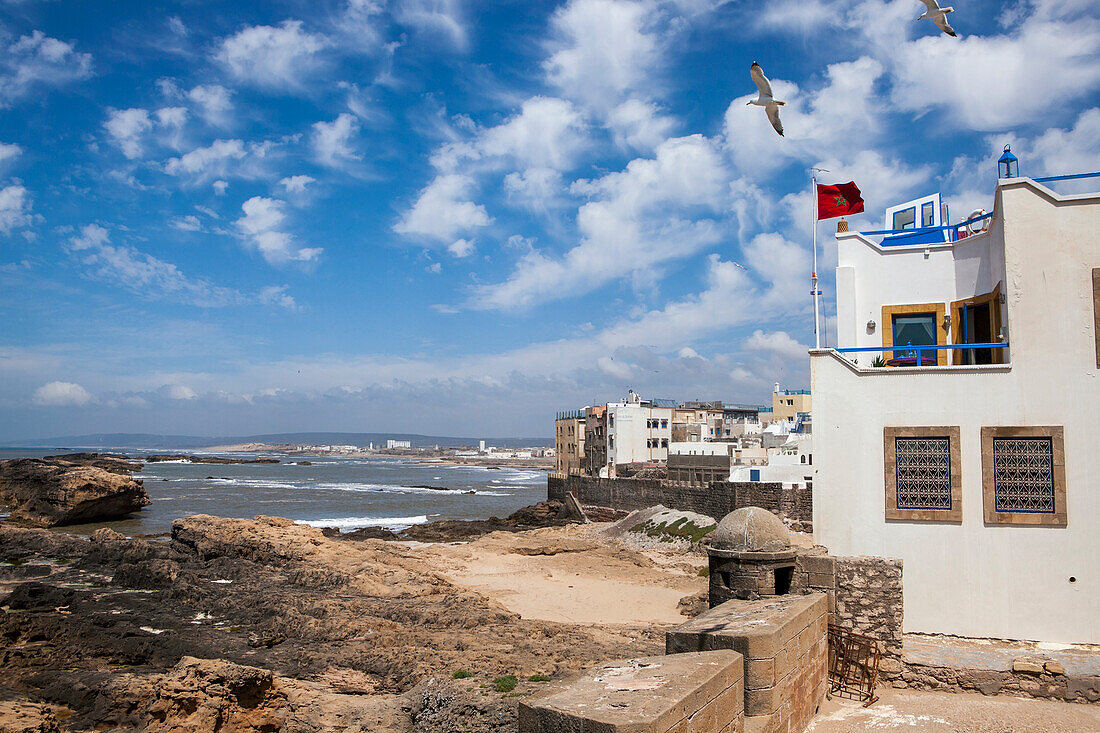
(348, 493)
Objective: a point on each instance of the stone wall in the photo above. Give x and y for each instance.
(785, 648)
(865, 596)
(1037, 677)
(682, 693)
(795, 505)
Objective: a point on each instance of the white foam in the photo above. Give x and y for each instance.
(360, 522)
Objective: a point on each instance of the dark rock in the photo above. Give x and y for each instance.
(366, 533)
(442, 706)
(162, 457)
(113, 462)
(52, 492)
(147, 574)
(304, 463)
(266, 639)
(33, 596)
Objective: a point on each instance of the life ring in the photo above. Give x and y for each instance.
(977, 227)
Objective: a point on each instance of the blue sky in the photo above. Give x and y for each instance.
(456, 217)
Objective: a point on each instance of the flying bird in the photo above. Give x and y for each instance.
(765, 99)
(938, 16)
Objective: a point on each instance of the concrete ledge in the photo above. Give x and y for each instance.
(683, 693)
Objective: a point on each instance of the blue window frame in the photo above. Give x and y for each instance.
(906, 218)
(928, 214)
(913, 329)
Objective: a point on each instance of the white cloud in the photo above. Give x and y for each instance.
(219, 160)
(219, 187)
(280, 57)
(537, 189)
(127, 127)
(277, 295)
(639, 125)
(151, 277)
(435, 268)
(61, 394)
(359, 25)
(15, 208)
(9, 151)
(172, 116)
(91, 235)
(262, 225)
(38, 60)
(602, 50)
(461, 248)
(627, 228)
(179, 392)
(443, 210)
(334, 142)
(1062, 152)
(296, 184)
(215, 103)
(777, 342)
(189, 223)
(842, 118)
(996, 82)
(441, 18)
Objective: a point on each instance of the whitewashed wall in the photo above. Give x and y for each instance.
(970, 579)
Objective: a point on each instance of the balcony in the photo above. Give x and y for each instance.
(921, 358)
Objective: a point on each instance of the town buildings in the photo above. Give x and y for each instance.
(787, 404)
(696, 441)
(638, 431)
(569, 441)
(956, 424)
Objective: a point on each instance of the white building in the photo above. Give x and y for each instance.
(978, 467)
(391, 444)
(638, 430)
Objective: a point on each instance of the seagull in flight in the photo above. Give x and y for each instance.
(765, 99)
(938, 16)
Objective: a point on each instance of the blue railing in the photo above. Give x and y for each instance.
(1075, 176)
(900, 235)
(903, 354)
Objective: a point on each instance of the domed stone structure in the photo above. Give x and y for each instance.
(750, 556)
(751, 529)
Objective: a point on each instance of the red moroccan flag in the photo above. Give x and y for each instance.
(838, 200)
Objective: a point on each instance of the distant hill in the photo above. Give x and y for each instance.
(145, 440)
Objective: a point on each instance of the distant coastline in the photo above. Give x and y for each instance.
(441, 456)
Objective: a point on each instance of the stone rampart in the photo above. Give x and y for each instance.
(684, 693)
(785, 648)
(795, 505)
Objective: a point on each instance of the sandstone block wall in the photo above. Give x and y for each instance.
(685, 693)
(785, 646)
(715, 500)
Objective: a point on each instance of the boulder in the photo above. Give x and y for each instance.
(52, 492)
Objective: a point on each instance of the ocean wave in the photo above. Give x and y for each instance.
(348, 523)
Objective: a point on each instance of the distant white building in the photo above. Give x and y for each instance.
(978, 466)
(391, 444)
(638, 430)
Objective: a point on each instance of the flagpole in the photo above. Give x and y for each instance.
(813, 276)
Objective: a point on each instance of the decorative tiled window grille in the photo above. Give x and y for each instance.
(923, 472)
(922, 477)
(1023, 474)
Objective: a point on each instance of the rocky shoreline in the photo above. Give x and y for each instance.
(265, 625)
(70, 489)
